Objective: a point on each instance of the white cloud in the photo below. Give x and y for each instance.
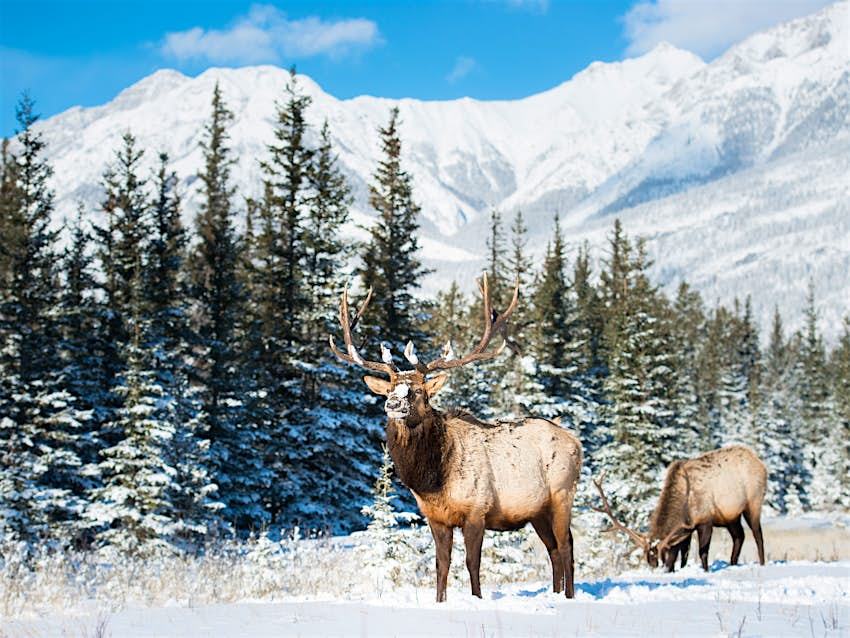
(706, 27)
(463, 67)
(266, 35)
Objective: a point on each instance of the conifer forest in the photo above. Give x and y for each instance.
(166, 384)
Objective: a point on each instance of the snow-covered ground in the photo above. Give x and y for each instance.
(781, 599)
(262, 592)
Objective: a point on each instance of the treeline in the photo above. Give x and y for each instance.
(163, 385)
(645, 379)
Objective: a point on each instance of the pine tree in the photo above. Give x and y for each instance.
(840, 435)
(778, 410)
(340, 441)
(815, 410)
(497, 277)
(688, 325)
(29, 336)
(449, 323)
(390, 265)
(167, 340)
(640, 430)
(132, 510)
(586, 346)
(83, 388)
(739, 379)
(122, 241)
(236, 443)
(388, 552)
(9, 222)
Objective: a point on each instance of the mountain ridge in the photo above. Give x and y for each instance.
(632, 139)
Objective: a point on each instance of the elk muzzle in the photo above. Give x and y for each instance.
(397, 406)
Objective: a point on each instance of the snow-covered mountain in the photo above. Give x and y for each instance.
(737, 171)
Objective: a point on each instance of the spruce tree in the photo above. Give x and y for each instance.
(640, 429)
(688, 326)
(553, 312)
(497, 276)
(236, 443)
(29, 337)
(9, 220)
(586, 348)
(815, 409)
(390, 265)
(840, 436)
(341, 442)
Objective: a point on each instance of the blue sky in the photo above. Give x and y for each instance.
(69, 52)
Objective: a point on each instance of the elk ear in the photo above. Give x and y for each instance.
(378, 386)
(432, 386)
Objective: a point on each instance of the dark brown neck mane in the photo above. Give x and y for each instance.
(420, 454)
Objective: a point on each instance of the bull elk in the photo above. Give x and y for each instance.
(469, 473)
(711, 490)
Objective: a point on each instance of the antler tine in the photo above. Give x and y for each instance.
(492, 323)
(637, 538)
(352, 355)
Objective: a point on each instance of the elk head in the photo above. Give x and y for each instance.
(652, 548)
(408, 392)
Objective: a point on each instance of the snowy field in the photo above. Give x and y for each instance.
(785, 598)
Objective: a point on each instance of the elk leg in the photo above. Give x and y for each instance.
(737, 531)
(443, 540)
(685, 548)
(543, 527)
(564, 538)
(473, 537)
(704, 536)
(753, 518)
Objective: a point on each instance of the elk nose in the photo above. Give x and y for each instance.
(393, 403)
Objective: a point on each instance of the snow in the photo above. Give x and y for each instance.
(401, 390)
(779, 599)
(410, 353)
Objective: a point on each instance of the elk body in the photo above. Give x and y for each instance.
(712, 490)
(469, 473)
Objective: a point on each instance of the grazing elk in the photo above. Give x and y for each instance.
(468, 473)
(711, 490)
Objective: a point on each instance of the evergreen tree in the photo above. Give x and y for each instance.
(815, 410)
(9, 218)
(123, 240)
(389, 551)
(553, 312)
(739, 379)
(586, 348)
(452, 321)
(390, 265)
(640, 431)
(83, 386)
(236, 443)
(688, 326)
(840, 435)
(496, 261)
(778, 410)
(342, 443)
(167, 341)
(29, 338)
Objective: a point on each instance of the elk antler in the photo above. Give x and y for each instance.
(493, 323)
(352, 355)
(639, 539)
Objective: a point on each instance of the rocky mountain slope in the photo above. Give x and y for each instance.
(737, 170)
